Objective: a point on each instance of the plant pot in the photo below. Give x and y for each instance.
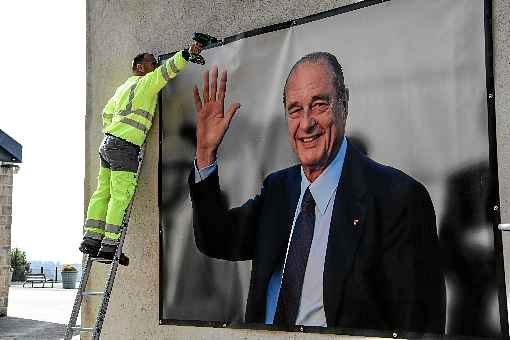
(69, 279)
(18, 274)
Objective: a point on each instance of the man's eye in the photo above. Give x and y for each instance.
(294, 112)
(319, 107)
(320, 104)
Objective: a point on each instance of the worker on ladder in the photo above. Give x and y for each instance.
(127, 118)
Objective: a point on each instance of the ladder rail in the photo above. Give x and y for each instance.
(78, 300)
(109, 287)
(101, 315)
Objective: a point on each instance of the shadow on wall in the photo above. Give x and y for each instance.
(466, 238)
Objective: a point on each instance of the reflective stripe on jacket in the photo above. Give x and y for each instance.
(129, 113)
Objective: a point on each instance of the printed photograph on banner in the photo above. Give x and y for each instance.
(334, 174)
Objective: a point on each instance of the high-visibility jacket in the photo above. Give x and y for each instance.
(129, 113)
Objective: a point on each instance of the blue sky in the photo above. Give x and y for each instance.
(43, 96)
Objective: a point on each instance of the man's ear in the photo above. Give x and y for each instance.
(346, 102)
(139, 68)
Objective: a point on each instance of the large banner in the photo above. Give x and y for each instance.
(400, 238)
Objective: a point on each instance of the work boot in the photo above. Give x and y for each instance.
(90, 246)
(107, 251)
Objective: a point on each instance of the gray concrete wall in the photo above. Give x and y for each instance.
(116, 31)
(6, 176)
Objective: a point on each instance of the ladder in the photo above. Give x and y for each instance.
(118, 258)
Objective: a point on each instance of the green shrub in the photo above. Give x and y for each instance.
(19, 264)
(18, 258)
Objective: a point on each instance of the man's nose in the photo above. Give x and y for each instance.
(307, 121)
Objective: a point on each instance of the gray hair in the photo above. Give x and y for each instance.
(337, 74)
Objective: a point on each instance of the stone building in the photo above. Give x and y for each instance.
(10, 154)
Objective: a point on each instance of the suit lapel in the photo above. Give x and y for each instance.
(293, 186)
(346, 230)
(284, 209)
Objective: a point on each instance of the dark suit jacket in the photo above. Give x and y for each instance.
(382, 272)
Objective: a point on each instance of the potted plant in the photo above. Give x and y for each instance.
(69, 276)
(19, 264)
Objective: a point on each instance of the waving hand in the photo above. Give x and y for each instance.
(212, 120)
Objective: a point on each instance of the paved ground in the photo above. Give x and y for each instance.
(37, 313)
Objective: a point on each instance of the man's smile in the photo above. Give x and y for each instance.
(309, 140)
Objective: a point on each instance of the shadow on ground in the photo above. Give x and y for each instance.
(18, 328)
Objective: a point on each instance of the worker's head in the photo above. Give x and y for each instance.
(143, 64)
(315, 101)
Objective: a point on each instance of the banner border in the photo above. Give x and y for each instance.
(493, 169)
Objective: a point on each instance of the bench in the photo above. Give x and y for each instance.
(37, 278)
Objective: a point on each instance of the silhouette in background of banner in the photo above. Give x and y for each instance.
(466, 238)
(196, 280)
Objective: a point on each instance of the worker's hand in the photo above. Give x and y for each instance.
(196, 48)
(212, 121)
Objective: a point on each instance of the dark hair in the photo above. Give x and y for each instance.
(337, 73)
(138, 60)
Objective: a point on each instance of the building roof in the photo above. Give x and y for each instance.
(10, 149)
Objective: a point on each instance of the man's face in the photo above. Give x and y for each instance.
(315, 118)
(148, 64)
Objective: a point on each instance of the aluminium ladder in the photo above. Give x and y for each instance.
(118, 258)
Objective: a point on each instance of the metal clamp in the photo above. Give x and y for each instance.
(504, 227)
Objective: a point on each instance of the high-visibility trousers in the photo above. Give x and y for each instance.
(116, 184)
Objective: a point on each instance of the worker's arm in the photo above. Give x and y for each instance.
(154, 81)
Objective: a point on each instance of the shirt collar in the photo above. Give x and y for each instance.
(325, 185)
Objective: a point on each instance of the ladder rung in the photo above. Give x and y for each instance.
(123, 260)
(91, 293)
(84, 329)
(102, 260)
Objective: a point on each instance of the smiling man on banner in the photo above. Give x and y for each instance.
(338, 240)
